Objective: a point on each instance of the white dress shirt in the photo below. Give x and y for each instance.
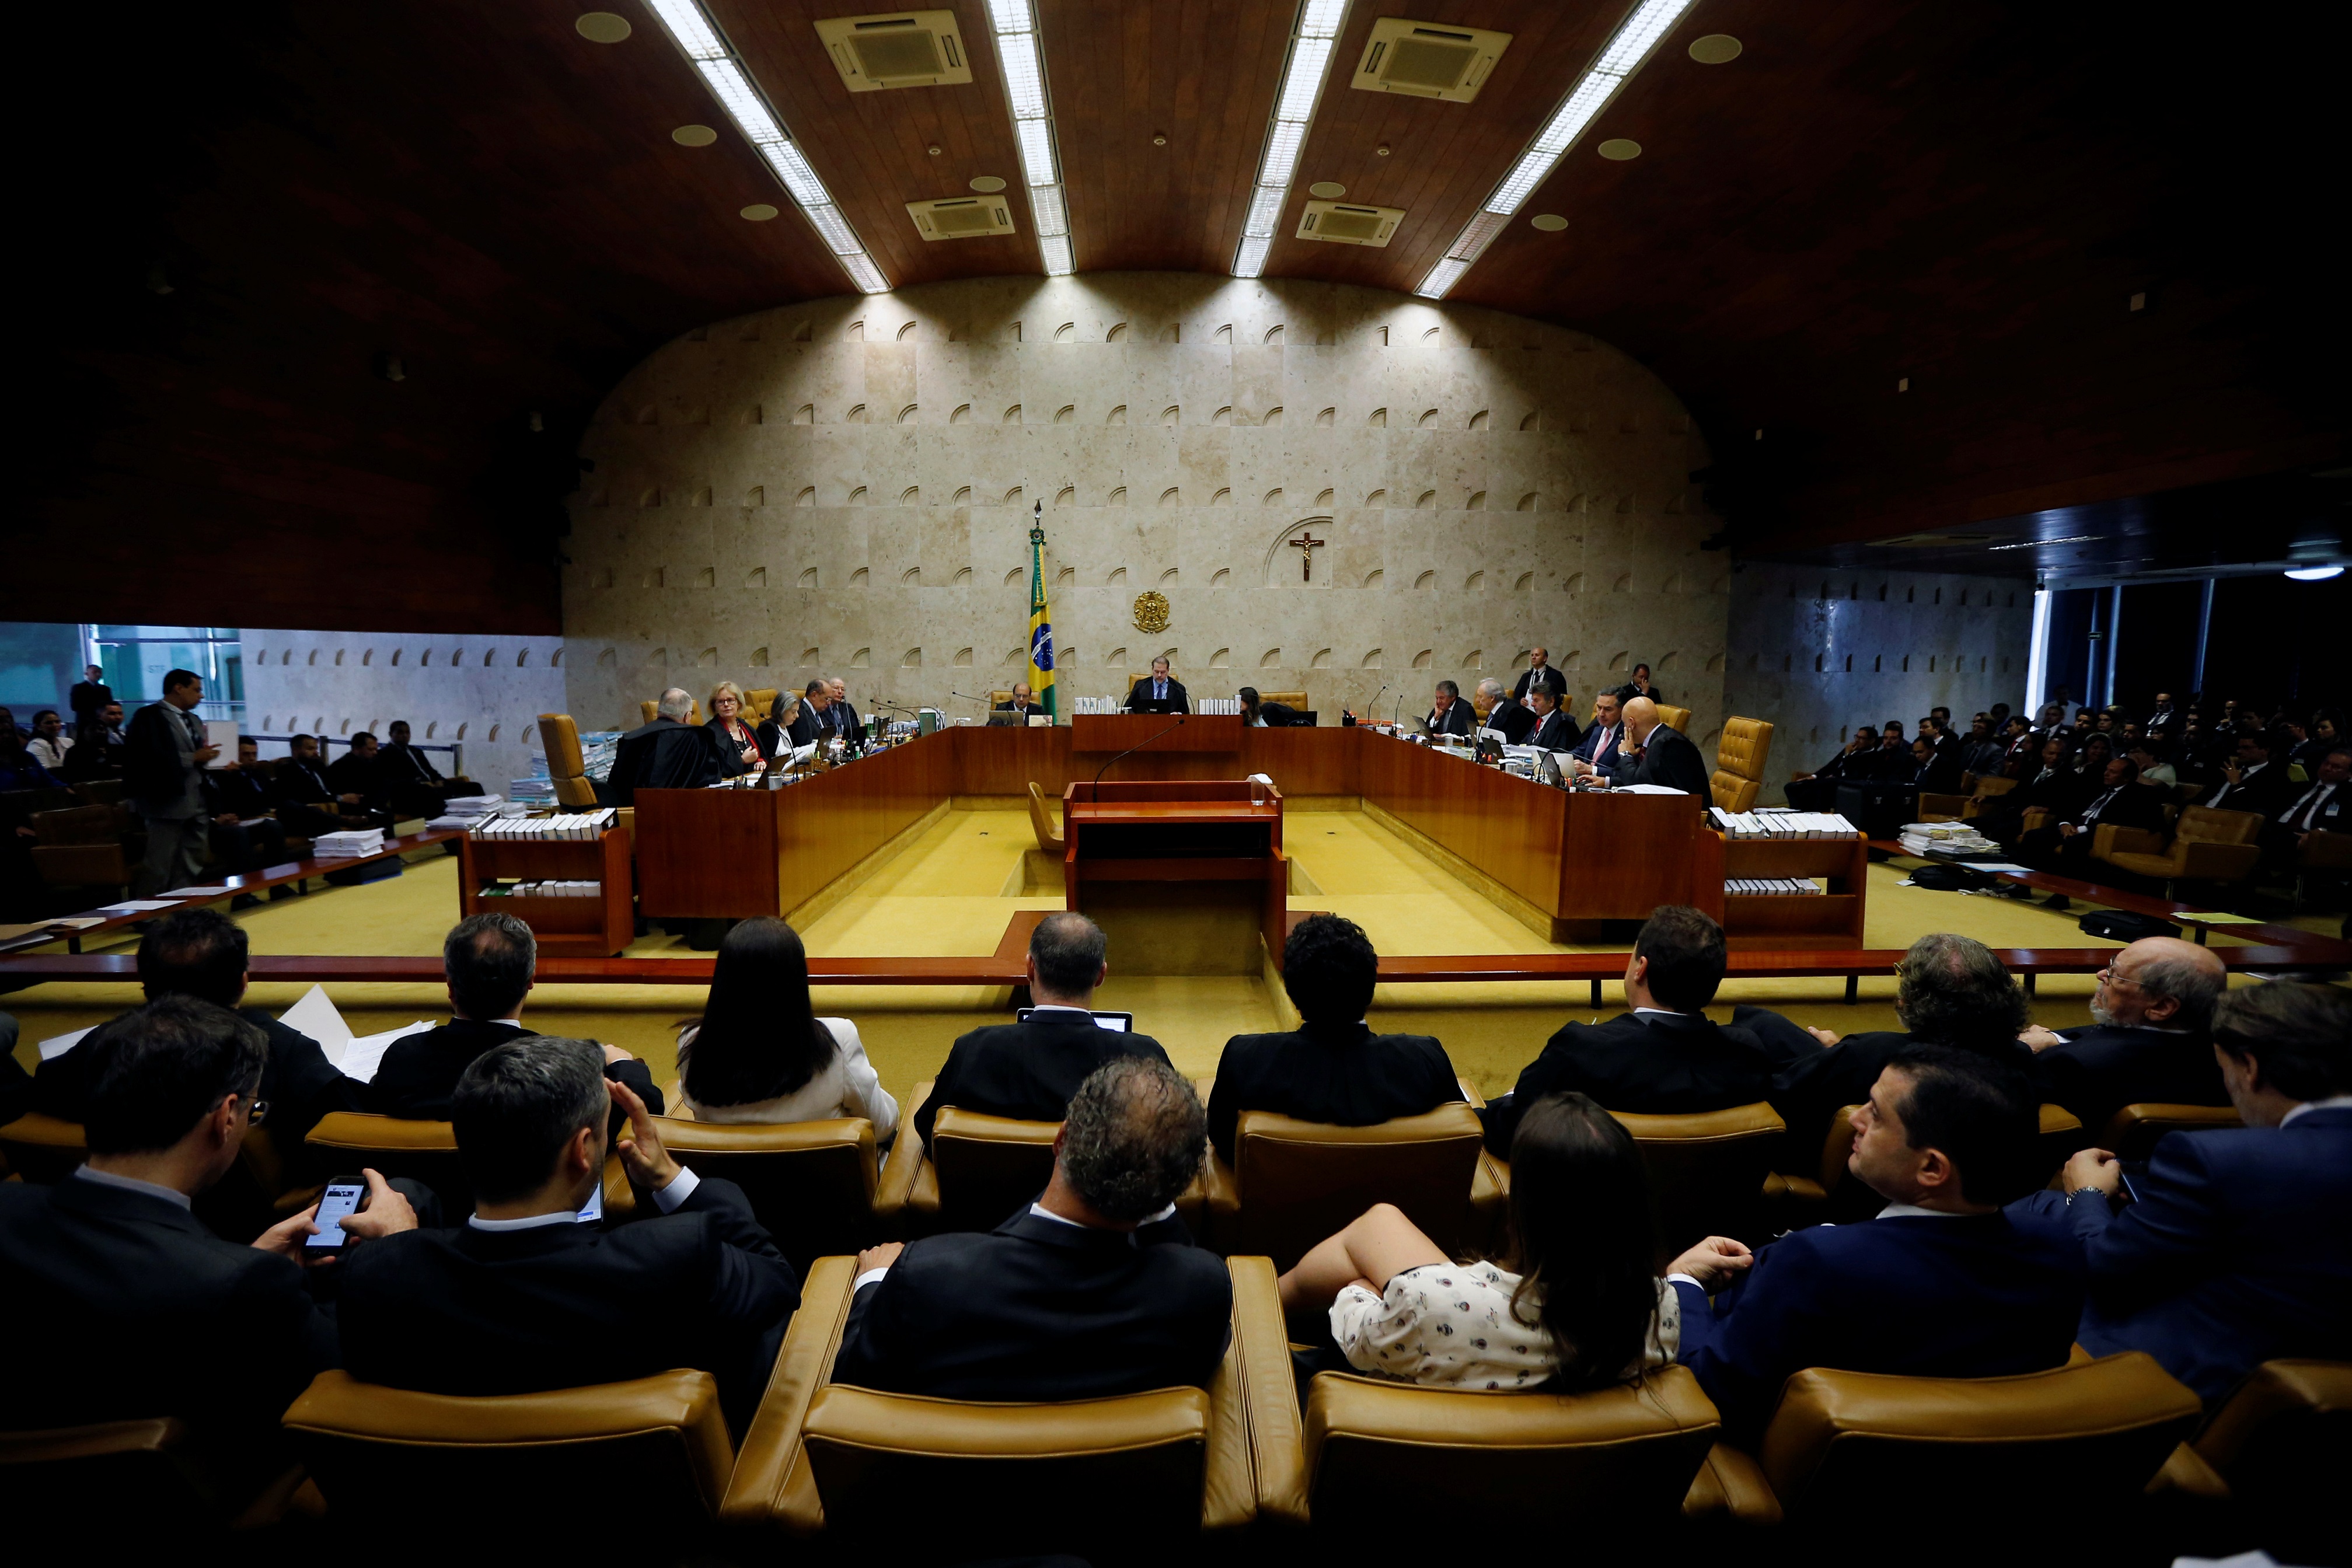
(168, 1194)
(2333, 1102)
(680, 1188)
(2305, 811)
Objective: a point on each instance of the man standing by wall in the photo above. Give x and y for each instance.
(166, 755)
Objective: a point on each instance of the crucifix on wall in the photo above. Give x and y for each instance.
(1306, 544)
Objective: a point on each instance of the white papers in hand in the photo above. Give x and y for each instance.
(58, 1045)
(221, 732)
(317, 1017)
(136, 907)
(365, 1054)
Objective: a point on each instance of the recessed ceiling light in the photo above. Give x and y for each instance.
(1303, 70)
(1618, 60)
(1328, 190)
(1021, 58)
(1715, 50)
(1549, 223)
(988, 184)
(1619, 150)
(2316, 573)
(1158, 140)
(694, 136)
(602, 27)
(759, 212)
(1383, 150)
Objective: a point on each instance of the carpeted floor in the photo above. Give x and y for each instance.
(951, 890)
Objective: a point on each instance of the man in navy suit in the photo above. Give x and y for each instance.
(1940, 1284)
(2235, 1249)
(1093, 1291)
(1448, 714)
(1603, 746)
(2147, 1040)
(1158, 693)
(1553, 730)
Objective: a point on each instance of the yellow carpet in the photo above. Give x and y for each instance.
(945, 893)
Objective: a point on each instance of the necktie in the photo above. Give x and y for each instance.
(2308, 808)
(1160, 691)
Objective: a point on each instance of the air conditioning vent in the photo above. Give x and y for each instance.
(1344, 223)
(961, 217)
(906, 49)
(1429, 60)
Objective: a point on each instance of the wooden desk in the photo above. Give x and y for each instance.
(1186, 875)
(1170, 745)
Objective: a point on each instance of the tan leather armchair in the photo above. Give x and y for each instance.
(2207, 845)
(2133, 1132)
(1707, 1173)
(1974, 787)
(651, 710)
(567, 765)
(1841, 1443)
(84, 846)
(810, 1184)
(146, 1480)
(349, 1141)
(1675, 719)
(43, 1149)
(2275, 1455)
(757, 704)
(1293, 1183)
(662, 1436)
(1293, 699)
(1609, 1462)
(1166, 1461)
(1741, 754)
(978, 1171)
(1044, 822)
(2321, 855)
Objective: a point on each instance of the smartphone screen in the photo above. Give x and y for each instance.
(1123, 1022)
(342, 1198)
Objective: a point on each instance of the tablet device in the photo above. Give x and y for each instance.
(1123, 1022)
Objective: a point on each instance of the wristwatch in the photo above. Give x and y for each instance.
(2080, 1190)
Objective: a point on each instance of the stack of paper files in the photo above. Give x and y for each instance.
(533, 791)
(467, 809)
(1756, 886)
(549, 890)
(1945, 840)
(1784, 824)
(562, 825)
(348, 844)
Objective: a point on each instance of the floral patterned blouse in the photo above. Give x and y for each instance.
(1452, 1325)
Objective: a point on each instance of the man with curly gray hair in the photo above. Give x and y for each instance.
(1094, 1290)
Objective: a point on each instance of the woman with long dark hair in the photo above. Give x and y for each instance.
(1576, 1304)
(760, 1053)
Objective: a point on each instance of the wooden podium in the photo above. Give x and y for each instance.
(1186, 876)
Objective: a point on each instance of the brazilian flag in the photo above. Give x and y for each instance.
(1041, 621)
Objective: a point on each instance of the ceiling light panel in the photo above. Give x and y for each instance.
(1020, 54)
(961, 217)
(1346, 223)
(722, 70)
(1425, 59)
(1620, 57)
(902, 49)
(1313, 36)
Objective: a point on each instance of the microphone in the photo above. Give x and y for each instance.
(969, 698)
(1376, 697)
(1128, 753)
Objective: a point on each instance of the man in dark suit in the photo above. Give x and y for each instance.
(308, 805)
(2325, 806)
(1941, 1283)
(415, 786)
(1448, 714)
(1095, 1290)
(1029, 1070)
(89, 696)
(1662, 1056)
(2064, 845)
(1950, 990)
(99, 745)
(1539, 672)
(1332, 1067)
(2149, 1043)
(1510, 719)
(1817, 791)
(2234, 1250)
(201, 953)
(1658, 754)
(1552, 730)
(1602, 749)
(1158, 693)
(844, 715)
(2251, 782)
(1024, 703)
(489, 961)
(355, 773)
(816, 719)
(245, 836)
(526, 1296)
(139, 1309)
(669, 753)
(162, 766)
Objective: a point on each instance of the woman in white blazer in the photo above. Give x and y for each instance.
(760, 1053)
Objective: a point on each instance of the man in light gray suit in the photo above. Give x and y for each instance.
(164, 760)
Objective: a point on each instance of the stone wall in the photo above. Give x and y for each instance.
(845, 486)
(1818, 650)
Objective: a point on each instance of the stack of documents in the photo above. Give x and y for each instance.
(1754, 886)
(547, 889)
(468, 809)
(1783, 824)
(348, 844)
(562, 825)
(1945, 840)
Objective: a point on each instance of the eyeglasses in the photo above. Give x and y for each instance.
(255, 1113)
(2107, 976)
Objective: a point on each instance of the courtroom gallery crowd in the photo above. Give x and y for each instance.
(1957, 1257)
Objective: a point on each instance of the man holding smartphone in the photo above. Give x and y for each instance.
(140, 1310)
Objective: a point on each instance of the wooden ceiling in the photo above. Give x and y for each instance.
(1954, 191)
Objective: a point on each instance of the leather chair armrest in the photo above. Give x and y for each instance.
(2034, 817)
(2109, 837)
(2206, 861)
(905, 1161)
(2185, 1471)
(620, 1195)
(1478, 1101)
(1221, 1188)
(81, 865)
(1274, 1460)
(772, 1484)
(1730, 1489)
(1941, 807)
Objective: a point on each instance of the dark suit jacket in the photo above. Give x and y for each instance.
(730, 755)
(1667, 759)
(351, 775)
(420, 1071)
(296, 1079)
(1603, 747)
(1140, 700)
(1040, 1310)
(1345, 1076)
(135, 1309)
(2103, 1068)
(1280, 716)
(1026, 1070)
(1459, 719)
(472, 1312)
(2335, 814)
(1651, 1064)
(2268, 791)
(1927, 1296)
(304, 785)
(1556, 733)
(151, 756)
(407, 765)
(1942, 773)
(1515, 720)
(2236, 1251)
(663, 755)
(86, 697)
(233, 789)
(1551, 677)
(1016, 707)
(2134, 806)
(1808, 1093)
(1784, 1043)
